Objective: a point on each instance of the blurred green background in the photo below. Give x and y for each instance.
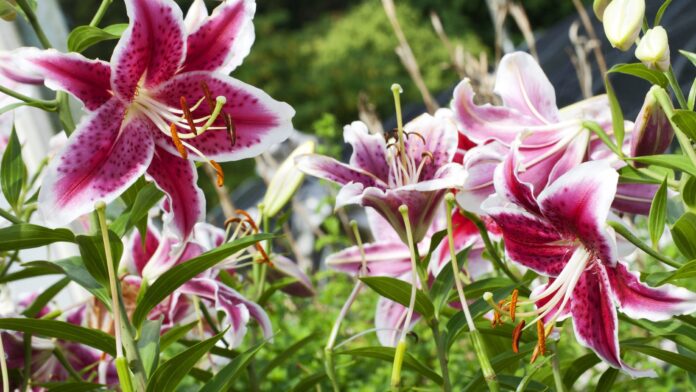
(318, 55)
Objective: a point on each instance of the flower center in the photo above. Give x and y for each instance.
(181, 126)
(406, 168)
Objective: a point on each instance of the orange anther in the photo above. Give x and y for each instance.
(248, 219)
(513, 304)
(219, 172)
(177, 142)
(187, 115)
(516, 334)
(542, 337)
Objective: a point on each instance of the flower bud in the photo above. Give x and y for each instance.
(622, 22)
(285, 181)
(599, 6)
(652, 132)
(653, 49)
(8, 11)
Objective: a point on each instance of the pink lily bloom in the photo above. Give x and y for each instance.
(562, 234)
(376, 176)
(389, 256)
(163, 98)
(553, 141)
(156, 257)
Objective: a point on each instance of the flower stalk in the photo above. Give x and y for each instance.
(3, 368)
(476, 338)
(401, 347)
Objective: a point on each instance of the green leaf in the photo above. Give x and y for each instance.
(578, 367)
(148, 196)
(387, 354)
(686, 271)
(26, 236)
(599, 131)
(29, 272)
(309, 382)
(607, 380)
(148, 345)
(13, 172)
(168, 375)
(173, 335)
(500, 362)
(688, 193)
(675, 359)
(435, 241)
(444, 281)
(677, 162)
(225, 376)
(94, 258)
(73, 268)
(686, 121)
(400, 291)
(684, 235)
(62, 330)
(180, 274)
(617, 118)
(641, 71)
(287, 353)
(83, 37)
(74, 387)
(46, 295)
(692, 96)
(658, 214)
(689, 55)
(661, 11)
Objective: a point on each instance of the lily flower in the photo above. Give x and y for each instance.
(552, 140)
(562, 234)
(389, 256)
(146, 263)
(383, 177)
(163, 101)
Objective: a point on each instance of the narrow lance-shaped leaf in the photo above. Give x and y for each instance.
(686, 121)
(83, 37)
(658, 214)
(180, 274)
(684, 235)
(27, 236)
(62, 330)
(225, 376)
(400, 291)
(13, 172)
(641, 71)
(94, 258)
(617, 119)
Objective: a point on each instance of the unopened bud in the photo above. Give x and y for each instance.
(8, 11)
(285, 181)
(653, 49)
(652, 132)
(622, 22)
(599, 6)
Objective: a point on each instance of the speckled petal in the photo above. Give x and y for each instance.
(637, 300)
(223, 40)
(594, 319)
(634, 198)
(437, 143)
(369, 150)
(87, 80)
(382, 259)
(508, 184)
(151, 49)
(259, 120)
(529, 240)
(140, 255)
(235, 307)
(330, 169)
(177, 178)
(578, 203)
(101, 159)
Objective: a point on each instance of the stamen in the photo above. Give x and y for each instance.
(414, 133)
(219, 172)
(208, 97)
(516, 334)
(541, 332)
(187, 115)
(219, 103)
(231, 130)
(513, 304)
(177, 142)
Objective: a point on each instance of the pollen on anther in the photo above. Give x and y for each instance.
(219, 172)
(177, 142)
(516, 334)
(513, 304)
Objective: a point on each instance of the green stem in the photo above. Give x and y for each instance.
(499, 263)
(3, 368)
(676, 88)
(626, 233)
(100, 12)
(441, 355)
(396, 369)
(556, 369)
(74, 375)
(34, 22)
(9, 217)
(64, 113)
(486, 367)
(40, 103)
(124, 375)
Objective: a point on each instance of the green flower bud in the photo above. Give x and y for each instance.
(622, 22)
(285, 181)
(653, 49)
(8, 11)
